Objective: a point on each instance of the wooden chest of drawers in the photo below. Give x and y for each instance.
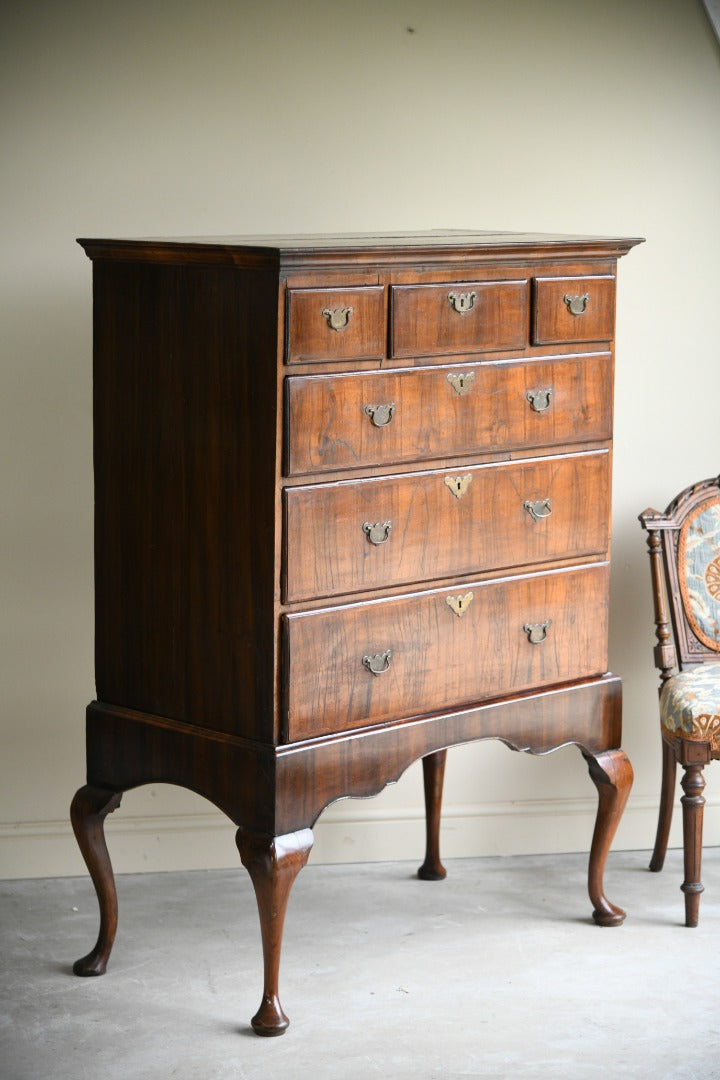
(352, 508)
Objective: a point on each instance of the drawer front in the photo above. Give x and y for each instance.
(431, 320)
(574, 309)
(358, 420)
(430, 659)
(370, 534)
(335, 324)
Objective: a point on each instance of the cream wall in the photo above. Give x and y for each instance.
(162, 118)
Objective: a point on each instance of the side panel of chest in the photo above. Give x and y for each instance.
(184, 402)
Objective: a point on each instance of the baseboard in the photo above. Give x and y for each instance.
(343, 835)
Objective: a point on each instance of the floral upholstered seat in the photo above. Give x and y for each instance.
(690, 704)
(684, 548)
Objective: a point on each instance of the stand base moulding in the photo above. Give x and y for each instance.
(352, 500)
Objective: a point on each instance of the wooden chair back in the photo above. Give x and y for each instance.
(684, 546)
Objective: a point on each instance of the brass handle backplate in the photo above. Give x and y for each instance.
(462, 302)
(537, 631)
(539, 399)
(378, 663)
(377, 533)
(381, 415)
(461, 383)
(576, 305)
(541, 508)
(337, 318)
(459, 604)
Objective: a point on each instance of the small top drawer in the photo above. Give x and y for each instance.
(574, 309)
(335, 324)
(471, 316)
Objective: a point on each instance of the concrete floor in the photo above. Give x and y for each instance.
(496, 972)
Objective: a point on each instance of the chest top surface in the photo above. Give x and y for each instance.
(375, 248)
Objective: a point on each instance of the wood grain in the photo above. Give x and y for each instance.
(184, 492)
(441, 660)
(425, 322)
(432, 534)
(612, 774)
(328, 428)
(310, 336)
(88, 811)
(554, 322)
(285, 788)
(273, 864)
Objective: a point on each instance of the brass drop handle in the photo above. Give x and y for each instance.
(577, 305)
(462, 302)
(541, 508)
(378, 663)
(539, 399)
(377, 533)
(461, 383)
(381, 415)
(337, 318)
(537, 631)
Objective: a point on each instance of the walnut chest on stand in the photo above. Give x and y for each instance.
(352, 504)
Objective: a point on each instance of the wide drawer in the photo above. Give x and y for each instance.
(356, 420)
(429, 320)
(510, 635)
(574, 309)
(335, 324)
(369, 534)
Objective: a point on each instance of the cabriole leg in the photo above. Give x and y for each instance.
(88, 811)
(433, 775)
(667, 798)
(273, 864)
(693, 802)
(612, 774)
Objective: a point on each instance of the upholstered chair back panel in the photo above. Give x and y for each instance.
(699, 572)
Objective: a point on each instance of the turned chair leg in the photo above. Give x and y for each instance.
(88, 811)
(273, 864)
(612, 774)
(667, 798)
(433, 775)
(693, 802)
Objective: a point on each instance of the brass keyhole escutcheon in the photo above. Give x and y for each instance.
(537, 632)
(539, 399)
(462, 302)
(377, 533)
(458, 485)
(461, 383)
(459, 604)
(541, 508)
(378, 663)
(337, 318)
(577, 305)
(380, 415)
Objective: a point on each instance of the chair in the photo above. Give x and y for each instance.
(684, 547)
